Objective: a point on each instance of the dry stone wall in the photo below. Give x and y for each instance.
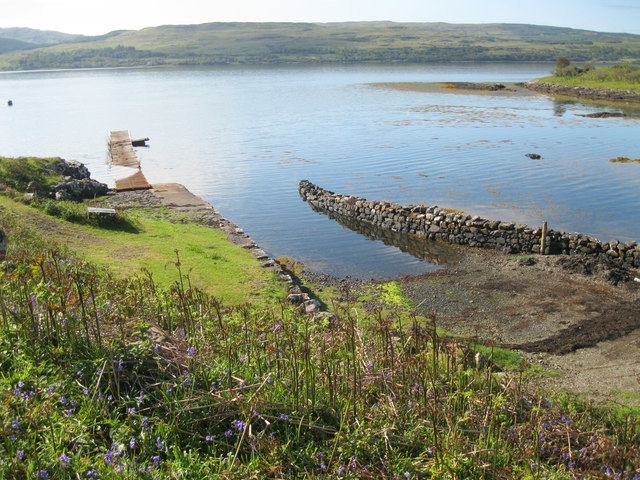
(458, 228)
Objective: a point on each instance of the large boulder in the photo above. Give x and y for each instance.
(76, 190)
(69, 168)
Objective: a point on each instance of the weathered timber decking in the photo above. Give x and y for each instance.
(122, 153)
(137, 181)
(121, 150)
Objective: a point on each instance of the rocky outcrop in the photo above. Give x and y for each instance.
(76, 182)
(462, 229)
(69, 168)
(575, 91)
(76, 190)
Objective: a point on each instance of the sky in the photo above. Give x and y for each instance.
(96, 17)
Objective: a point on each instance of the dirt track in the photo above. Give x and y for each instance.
(570, 314)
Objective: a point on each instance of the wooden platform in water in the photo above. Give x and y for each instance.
(121, 150)
(137, 181)
(122, 153)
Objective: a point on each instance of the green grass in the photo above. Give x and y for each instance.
(212, 263)
(617, 77)
(18, 172)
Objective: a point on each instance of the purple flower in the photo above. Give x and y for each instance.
(407, 475)
(43, 474)
(341, 469)
(284, 417)
(191, 351)
(120, 363)
(228, 433)
(15, 424)
(108, 457)
(131, 411)
(63, 400)
(80, 373)
(64, 460)
(238, 425)
(132, 443)
(210, 438)
(156, 460)
(19, 454)
(145, 423)
(85, 390)
(159, 444)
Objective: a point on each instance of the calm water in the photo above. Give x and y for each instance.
(243, 137)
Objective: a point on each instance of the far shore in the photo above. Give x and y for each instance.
(509, 88)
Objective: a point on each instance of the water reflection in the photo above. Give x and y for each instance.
(437, 253)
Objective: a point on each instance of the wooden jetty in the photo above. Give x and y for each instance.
(122, 153)
(121, 150)
(137, 181)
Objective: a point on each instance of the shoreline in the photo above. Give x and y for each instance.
(583, 92)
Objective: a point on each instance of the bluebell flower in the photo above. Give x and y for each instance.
(210, 438)
(120, 364)
(15, 424)
(131, 411)
(43, 474)
(144, 423)
(156, 459)
(108, 457)
(20, 454)
(159, 444)
(64, 460)
(132, 443)
(191, 351)
(228, 433)
(238, 425)
(284, 417)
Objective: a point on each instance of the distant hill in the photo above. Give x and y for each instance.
(10, 45)
(350, 42)
(35, 37)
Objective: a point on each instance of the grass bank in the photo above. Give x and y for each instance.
(617, 77)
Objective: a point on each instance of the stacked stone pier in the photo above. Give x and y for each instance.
(434, 223)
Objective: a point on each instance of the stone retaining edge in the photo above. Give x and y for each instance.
(434, 223)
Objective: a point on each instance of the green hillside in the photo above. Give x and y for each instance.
(263, 43)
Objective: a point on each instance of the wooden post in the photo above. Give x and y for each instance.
(543, 239)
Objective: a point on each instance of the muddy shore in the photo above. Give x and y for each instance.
(578, 319)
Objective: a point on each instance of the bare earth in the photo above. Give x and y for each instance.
(568, 314)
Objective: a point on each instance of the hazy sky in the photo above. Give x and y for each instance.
(95, 17)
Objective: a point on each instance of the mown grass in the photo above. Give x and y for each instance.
(110, 377)
(139, 240)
